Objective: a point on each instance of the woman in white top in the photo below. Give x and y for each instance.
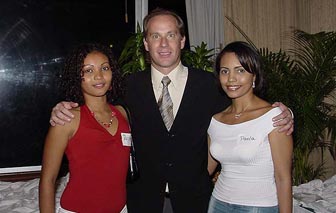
(255, 157)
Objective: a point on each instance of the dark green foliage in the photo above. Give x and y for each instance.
(199, 58)
(133, 56)
(305, 82)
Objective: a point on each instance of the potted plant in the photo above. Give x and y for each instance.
(306, 82)
(200, 57)
(133, 56)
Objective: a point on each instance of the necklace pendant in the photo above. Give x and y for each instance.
(107, 125)
(237, 115)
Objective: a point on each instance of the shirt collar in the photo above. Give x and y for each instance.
(174, 76)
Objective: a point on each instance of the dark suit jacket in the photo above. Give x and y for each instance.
(179, 156)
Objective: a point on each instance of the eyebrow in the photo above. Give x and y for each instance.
(169, 32)
(233, 67)
(106, 62)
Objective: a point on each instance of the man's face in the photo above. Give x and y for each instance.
(164, 43)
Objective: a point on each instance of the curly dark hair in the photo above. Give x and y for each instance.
(70, 78)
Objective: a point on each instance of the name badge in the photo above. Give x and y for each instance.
(126, 139)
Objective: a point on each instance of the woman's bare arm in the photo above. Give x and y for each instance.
(282, 149)
(54, 147)
(212, 163)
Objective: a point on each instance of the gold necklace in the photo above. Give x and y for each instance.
(106, 125)
(237, 115)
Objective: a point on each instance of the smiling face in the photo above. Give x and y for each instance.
(164, 43)
(234, 79)
(96, 75)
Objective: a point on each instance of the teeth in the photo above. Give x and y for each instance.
(99, 85)
(164, 53)
(233, 87)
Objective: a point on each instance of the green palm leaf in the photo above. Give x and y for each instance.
(305, 81)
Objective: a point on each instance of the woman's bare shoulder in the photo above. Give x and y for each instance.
(221, 116)
(75, 111)
(73, 124)
(122, 110)
(261, 107)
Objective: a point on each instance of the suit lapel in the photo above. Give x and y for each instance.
(189, 94)
(148, 97)
(147, 87)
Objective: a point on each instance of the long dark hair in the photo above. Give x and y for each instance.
(70, 78)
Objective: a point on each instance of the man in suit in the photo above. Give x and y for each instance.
(172, 162)
(172, 157)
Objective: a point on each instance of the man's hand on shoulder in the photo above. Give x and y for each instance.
(61, 113)
(285, 119)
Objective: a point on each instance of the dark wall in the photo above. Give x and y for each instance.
(35, 35)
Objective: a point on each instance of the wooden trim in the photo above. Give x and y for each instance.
(19, 176)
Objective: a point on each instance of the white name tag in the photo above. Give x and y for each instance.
(126, 139)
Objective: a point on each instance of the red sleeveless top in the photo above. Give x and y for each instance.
(98, 164)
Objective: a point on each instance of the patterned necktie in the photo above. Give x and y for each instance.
(165, 104)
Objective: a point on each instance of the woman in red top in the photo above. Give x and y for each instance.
(96, 142)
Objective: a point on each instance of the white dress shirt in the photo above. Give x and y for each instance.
(178, 77)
